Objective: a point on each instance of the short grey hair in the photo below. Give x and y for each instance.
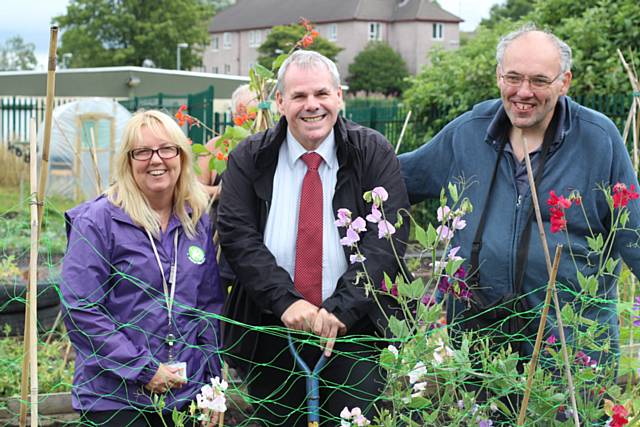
(307, 59)
(563, 49)
(240, 92)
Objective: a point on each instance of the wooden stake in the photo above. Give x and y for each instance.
(53, 42)
(556, 302)
(33, 279)
(536, 348)
(404, 127)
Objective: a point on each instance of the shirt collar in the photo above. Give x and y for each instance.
(326, 149)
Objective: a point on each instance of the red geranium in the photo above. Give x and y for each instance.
(622, 195)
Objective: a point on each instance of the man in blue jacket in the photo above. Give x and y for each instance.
(573, 150)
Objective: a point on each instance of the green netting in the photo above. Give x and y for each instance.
(434, 374)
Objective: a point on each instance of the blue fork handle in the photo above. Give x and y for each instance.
(312, 383)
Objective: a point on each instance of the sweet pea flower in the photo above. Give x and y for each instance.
(351, 238)
(379, 195)
(353, 418)
(417, 372)
(359, 225)
(212, 396)
(444, 233)
(458, 223)
(375, 216)
(441, 352)
(443, 213)
(393, 350)
(353, 258)
(344, 217)
(385, 229)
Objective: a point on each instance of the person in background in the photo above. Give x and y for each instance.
(139, 279)
(242, 100)
(282, 190)
(573, 149)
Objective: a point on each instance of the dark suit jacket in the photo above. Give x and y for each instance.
(264, 290)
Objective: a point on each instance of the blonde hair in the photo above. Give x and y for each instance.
(126, 194)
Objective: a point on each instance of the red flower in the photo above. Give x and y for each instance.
(558, 201)
(238, 120)
(557, 206)
(622, 195)
(619, 417)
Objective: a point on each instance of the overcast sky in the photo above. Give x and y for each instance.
(31, 19)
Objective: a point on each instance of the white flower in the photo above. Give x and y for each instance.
(212, 396)
(441, 352)
(393, 350)
(418, 371)
(353, 417)
(418, 388)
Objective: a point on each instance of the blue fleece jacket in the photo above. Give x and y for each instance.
(588, 152)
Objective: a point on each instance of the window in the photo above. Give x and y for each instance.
(214, 69)
(255, 38)
(333, 32)
(226, 40)
(438, 31)
(227, 69)
(374, 31)
(215, 43)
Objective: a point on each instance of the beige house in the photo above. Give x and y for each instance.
(411, 27)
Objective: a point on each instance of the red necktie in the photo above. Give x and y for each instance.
(308, 272)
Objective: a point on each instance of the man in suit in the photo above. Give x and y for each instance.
(277, 213)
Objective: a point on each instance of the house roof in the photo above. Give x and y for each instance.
(253, 14)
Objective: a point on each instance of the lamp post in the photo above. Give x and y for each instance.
(180, 46)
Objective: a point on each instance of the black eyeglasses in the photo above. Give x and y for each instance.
(537, 82)
(168, 152)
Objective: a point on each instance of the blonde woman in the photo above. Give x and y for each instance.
(139, 277)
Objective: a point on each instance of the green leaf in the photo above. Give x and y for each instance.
(388, 282)
(219, 165)
(398, 328)
(199, 149)
(432, 237)
(595, 244)
(419, 402)
(387, 359)
(453, 266)
(567, 313)
(421, 236)
(429, 315)
(279, 60)
(263, 71)
(413, 290)
(624, 218)
(212, 163)
(611, 265)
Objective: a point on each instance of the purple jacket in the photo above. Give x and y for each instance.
(115, 308)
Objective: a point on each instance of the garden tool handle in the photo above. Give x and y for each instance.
(313, 389)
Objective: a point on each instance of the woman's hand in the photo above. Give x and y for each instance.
(165, 378)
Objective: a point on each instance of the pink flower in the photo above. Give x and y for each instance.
(375, 216)
(359, 225)
(458, 223)
(443, 213)
(350, 239)
(379, 195)
(344, 217)
(551, 340)
(444, 233)
(385, 229)
(357, 258)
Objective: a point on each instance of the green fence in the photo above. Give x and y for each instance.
(388, 116)
(199, 105)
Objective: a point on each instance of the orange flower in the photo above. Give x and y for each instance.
(252, 115)
(238, 120)
(307, 41)
(220, 156)
(314, 33)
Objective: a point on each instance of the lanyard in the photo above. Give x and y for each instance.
(169, 293)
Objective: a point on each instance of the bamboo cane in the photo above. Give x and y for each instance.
(53, 42)
(33, 279)
(94, 160)
(556, 302)
(536, 348)
(404, 128)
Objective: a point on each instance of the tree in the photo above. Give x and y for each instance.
(512, 10)
(456, 80)
(15, 55)
(283, 38)
(113, 32)
(378, 68)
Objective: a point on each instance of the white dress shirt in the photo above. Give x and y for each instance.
(282, 223)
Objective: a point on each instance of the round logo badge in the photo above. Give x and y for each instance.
(195, 255)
